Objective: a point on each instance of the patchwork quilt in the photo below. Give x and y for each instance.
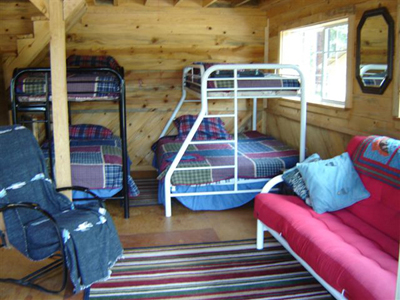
(259, 156)
(97, 164)
(379, 157)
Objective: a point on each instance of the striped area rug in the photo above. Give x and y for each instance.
(148, 188)
(222, 270)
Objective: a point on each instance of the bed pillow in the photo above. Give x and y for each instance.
(333, 184)
(89, 131)
(86, 61)
(292, 177)
(209, 129)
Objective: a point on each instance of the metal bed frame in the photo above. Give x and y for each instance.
(45, 108)
(235, 96)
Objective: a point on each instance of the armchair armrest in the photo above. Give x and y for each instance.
(82, 189)
(28, 205)
(32, 206)
(270, 184)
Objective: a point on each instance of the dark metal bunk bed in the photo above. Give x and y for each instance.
(31, 94)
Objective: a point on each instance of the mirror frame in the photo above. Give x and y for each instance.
(382, 11)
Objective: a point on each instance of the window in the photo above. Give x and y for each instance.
(321, 53)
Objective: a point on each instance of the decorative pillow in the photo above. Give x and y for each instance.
(209, 129)
(89, 131)
(333, 184)
(86, 61)
(292, 177)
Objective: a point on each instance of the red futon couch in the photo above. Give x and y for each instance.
(353, 252)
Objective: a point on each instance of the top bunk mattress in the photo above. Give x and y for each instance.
(250, 83)
(31, 86)
(88, 78)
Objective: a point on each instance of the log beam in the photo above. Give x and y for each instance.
(59, 94)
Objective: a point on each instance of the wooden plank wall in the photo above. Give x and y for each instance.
(153, 43)
(329, 129)
(15, 21)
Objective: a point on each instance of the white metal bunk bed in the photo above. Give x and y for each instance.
(31, 93)
(238, 88)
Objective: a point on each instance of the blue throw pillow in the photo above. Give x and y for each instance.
(333, 184)
(292, 177)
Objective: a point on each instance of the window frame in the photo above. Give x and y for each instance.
(347, 103)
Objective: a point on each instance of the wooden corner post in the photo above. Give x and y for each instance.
(59, 94)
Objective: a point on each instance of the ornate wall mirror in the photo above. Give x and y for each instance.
(375, 50)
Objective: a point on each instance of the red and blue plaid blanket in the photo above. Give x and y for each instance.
(80, 86)
(97, 164)
(259, 156)
(88, 61)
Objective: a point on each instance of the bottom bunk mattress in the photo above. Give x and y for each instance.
(219, 201)
(260, 157)
(97, 164)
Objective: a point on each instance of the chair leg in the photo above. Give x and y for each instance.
(28, 280)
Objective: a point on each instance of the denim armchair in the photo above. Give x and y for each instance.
(41, 223)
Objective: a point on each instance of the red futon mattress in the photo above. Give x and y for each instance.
(355, 250)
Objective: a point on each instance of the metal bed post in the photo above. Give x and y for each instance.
(203, 110)
(69, 113)
(47, 116)
(125, 164)
(254, 127)
(235, 125)
(303, 116)
(13, 101)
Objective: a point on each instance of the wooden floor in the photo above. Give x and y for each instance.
(147, 226)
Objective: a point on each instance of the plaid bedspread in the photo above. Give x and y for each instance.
(259, 156)
(80, 86)
(97, 164)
